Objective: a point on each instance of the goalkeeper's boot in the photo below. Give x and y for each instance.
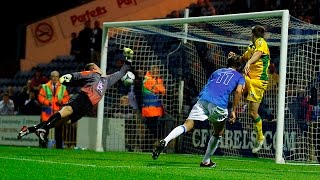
(24, 131)
(208, 165)
(258, 145)
(41, 133)
(156, 152)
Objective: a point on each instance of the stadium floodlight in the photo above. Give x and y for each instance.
(188, 49)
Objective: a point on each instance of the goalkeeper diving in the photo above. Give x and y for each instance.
(93, 86)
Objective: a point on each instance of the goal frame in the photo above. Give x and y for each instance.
(284, 14)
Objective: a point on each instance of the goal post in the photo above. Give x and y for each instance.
(206, 43)
(100, 110)
(282, 86)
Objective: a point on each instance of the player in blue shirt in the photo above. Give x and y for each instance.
(213, 106)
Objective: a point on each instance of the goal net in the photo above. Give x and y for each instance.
(187, 51)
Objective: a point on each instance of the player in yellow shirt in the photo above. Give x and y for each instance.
(257, 58)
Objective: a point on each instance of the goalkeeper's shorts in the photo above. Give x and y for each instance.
(204, 110)
(256, 89)
(80, 104)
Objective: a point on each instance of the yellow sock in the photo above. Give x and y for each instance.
(258, 128)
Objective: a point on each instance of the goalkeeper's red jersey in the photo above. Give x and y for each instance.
(95, 84)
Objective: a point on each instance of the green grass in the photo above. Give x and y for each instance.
(36, 163)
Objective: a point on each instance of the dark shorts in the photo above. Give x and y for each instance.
(155, 126)
(80, 104)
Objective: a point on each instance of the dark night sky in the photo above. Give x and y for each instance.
(16, 14)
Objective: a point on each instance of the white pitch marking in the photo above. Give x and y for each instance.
(160, 167)
(49, 162)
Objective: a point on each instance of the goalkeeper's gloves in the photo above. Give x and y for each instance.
(65, 78)
(128, 53)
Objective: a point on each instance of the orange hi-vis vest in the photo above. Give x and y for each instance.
(49, 99)
(152, 105)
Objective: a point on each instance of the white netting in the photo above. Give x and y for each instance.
(205, 51)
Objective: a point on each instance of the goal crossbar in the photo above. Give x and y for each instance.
(200, 19)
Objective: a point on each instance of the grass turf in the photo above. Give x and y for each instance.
(36, 163)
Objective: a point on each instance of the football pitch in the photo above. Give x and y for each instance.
(36, 163)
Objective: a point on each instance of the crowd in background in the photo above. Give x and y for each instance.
(307, 12)
(86, 45)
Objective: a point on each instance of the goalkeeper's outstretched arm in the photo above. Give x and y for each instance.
(65, 78)
(75, 77)
(115, 77)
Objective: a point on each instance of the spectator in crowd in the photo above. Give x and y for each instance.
(75, 49)
(196, 8)
(23, 95)
(52, 96)
(96, 42)
(6, 105)
(265, 111)
(116, 66)
(315, 131)
(152, 107)
(304, 11)
(273, 77)
(138, 81)
(36, 81)
(31, 106)
(175, 14)
(85, 42)
(309, 106)
(211, 11)
(190, 95)
(11, 91)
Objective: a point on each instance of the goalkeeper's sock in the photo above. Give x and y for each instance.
(175, 133)
(212, 147)
(52, 121)
(258, 128)
(33, 129)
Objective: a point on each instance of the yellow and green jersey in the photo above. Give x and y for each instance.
(259, 69)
